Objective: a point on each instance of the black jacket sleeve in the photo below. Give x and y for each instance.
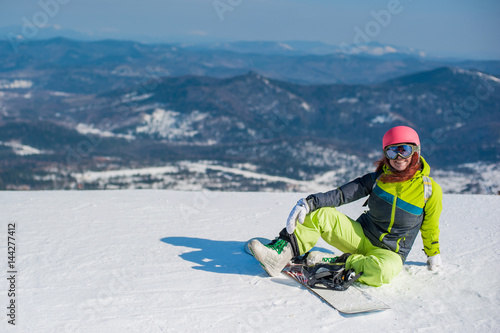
(352, 191)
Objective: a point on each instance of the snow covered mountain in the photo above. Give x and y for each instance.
(295, 48)
(168, 261)
(273, 128)
(69, 109)
(61, 64)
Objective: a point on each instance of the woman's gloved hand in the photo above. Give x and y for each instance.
(298, 213)
(434, 263)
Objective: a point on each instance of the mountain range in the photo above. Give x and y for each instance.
(70, 65)
(70, 107)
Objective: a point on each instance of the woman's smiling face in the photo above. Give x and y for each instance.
(400, 163)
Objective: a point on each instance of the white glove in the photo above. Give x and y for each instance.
(298, 213)
(434, 262)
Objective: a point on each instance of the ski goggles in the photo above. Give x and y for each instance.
(404, 150)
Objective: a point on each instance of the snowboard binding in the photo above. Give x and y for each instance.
(332, 276)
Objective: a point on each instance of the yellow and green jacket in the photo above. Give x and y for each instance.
(397, 211)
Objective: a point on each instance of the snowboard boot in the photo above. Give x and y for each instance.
(318, 257)
(274, 256)
(342, 258)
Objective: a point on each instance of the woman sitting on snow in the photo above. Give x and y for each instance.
(402, 200)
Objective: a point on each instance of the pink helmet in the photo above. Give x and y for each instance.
(400, 134)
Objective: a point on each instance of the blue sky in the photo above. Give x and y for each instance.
(441, 27)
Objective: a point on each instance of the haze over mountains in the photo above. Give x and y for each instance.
(240, 116)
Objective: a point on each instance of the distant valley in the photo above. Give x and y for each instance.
(111, 114)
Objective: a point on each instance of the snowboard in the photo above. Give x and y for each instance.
(350, 301)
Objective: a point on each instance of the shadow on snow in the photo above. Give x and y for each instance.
(225, 257)
(415, 263)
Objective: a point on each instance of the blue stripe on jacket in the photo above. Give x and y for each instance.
(400, 203)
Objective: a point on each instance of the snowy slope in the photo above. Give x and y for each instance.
(470, 178)
(167, 261)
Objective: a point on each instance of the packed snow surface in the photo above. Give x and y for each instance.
(172, 261)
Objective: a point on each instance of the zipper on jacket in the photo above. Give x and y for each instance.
(394, 206)
(393, 213)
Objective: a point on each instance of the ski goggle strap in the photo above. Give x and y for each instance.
(403, 150)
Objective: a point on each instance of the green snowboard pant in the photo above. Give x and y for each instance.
(378, 265)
